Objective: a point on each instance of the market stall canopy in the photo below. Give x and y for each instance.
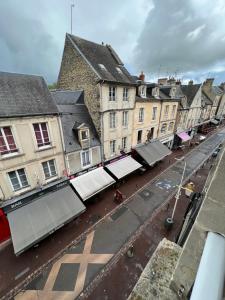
(123, 166)
(34, 221)
(92, 182)
(184, 136)
(215, 122)
(152, 152)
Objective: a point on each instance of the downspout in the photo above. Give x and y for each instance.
(102, 126)
(159, 119)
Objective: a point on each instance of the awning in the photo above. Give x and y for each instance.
(92, 182)
(215, 122)
(36, 220)
(123, 167)
(184, 136)
(202, 137)
(153, 152)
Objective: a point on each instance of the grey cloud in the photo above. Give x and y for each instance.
(177, 36)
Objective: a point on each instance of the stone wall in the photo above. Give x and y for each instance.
(75, 73)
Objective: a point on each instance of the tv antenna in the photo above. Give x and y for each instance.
(71, 17)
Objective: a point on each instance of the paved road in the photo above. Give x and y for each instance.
(74, 271)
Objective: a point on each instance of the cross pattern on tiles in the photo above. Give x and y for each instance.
(83, 259)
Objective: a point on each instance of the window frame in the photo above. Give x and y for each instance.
(141, 115)
(170, 127)
(6, 144)
(45, 145)
(125, 118)
(166, 111)
(139, 141)
(173, 111)
(112, 142)
(84, 152)
(124, 142)
(112, 121)
(112, 93)
(49, 169)
(154, 113)
(84, 130)
(18, 179)
(165, 126)
(125, 94)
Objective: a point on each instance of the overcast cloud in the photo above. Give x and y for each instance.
(160, 37)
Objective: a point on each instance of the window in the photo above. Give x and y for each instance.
(85, 157)
(112, 120)
(124, 142)
(84, 135)
(139, 136)
(125, 94)
(141, 115)
(143, 91)
(173, 111)
(154, 113)
(18, 179)
(112, 147)
(41, 133)
(119, 70)
(163, 128)
(170, 128)
(112, 93)
(166, 111)
(125, 119)
(102, 67)
(7, 143)
(49, 168)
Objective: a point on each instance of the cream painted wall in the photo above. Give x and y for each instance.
(148, 122)
(118, 106)
(29, 156)
(170, 118)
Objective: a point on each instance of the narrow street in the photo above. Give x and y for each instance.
(102, 244)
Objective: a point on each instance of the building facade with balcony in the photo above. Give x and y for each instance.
(31, 152)
(80, 139)
(109, 91)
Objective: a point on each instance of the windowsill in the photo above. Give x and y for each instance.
(140, 122)
(50, 179)
(112, 100)
(112, 129)
(22, 190)
(86, 167)
(11, 155)
(44, 148)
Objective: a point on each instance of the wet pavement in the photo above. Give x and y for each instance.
(101, 245)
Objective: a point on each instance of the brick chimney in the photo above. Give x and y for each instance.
(142, 76)
(222, 86)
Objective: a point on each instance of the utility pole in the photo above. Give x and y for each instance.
(71, 17)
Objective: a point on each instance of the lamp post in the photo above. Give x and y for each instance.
(170, 221)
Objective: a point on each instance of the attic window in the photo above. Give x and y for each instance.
(119, 70)
(102, 67)
(84, 134)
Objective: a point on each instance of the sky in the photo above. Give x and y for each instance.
(181, 38)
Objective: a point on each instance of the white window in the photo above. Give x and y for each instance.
(112, 147)
(141, 115)
(124, 142)
(170, 128)
(166, 111)
(125, 94)
(119, 70)
(49, 168)
(173, 111)
(102, 67)
(41, 133)
(112, 93)
(163, 128)
(85, 158)
(18, 179)
(112, 120)
(143, 91)
(84, 135)
(154, 113)
(125, 119)
(7, 143)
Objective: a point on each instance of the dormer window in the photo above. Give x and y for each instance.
(119, 70)
(102, 67)
(155, 92)
(84, 134)
(143, 91)
(173, 92)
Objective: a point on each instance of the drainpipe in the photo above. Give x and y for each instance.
(62, 140)
(159, 120)
(102, 126)
(210, 277)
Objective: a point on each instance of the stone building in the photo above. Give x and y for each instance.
(31, 153)
(80, 139)
(108, 87)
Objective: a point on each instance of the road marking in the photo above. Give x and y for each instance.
(22, 273)
(83, 259)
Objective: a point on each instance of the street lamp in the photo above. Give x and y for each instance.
(170, 221)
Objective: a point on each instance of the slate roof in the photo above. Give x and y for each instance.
(24, 95)
(190, 90)
(97, 55)
(73, 113)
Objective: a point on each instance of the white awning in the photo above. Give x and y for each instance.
(34, 221)
(92, 182)
(123, 167)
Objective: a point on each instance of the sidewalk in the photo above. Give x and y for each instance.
(83, 262)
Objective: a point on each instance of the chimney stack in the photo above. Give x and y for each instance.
(142, 76)
(209, 82)
(222, 86)
(190, 82)
(162, 81)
